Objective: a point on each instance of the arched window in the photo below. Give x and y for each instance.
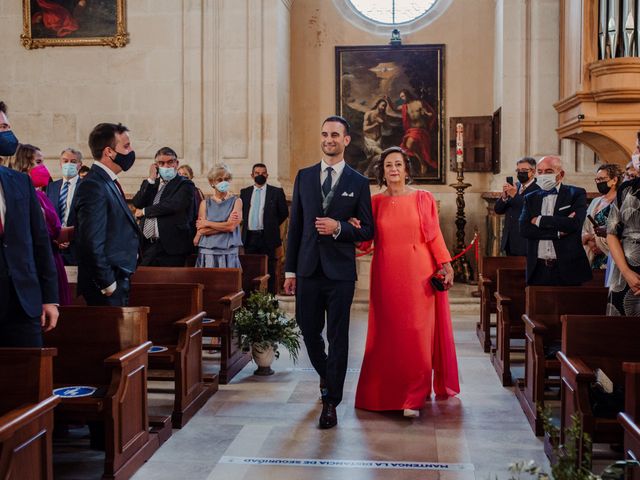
(380, 16)
(392, 12)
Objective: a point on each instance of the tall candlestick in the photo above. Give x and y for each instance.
(459, 144)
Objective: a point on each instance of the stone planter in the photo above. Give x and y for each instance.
(263, 356)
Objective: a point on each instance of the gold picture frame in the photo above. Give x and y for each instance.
(62, 23)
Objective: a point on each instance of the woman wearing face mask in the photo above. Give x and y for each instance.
(26, 157)
(608, 177)
(218, 224)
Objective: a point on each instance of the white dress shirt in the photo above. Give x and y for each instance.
(73, 182)
(263, 195)
(546, 251)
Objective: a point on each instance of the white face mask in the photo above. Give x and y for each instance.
(546, 181)
(635, 160)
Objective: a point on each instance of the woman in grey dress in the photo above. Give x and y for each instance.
(623, 237)
(218, 224)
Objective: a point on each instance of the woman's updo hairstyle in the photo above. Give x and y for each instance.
(378, 167)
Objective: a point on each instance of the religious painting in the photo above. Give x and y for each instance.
(51, 23)
(394, 95)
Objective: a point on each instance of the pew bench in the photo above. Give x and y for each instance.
(543, 333)
(630, 418)
(106, 348)
(487, 280)
(222, 296)
(175, 326)
(510, 306)
(591, 342)
(26, 413)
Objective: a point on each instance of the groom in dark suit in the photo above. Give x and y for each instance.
(106, 234)
(320, 263)
(551, 221)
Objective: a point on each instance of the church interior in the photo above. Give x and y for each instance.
(245, 82)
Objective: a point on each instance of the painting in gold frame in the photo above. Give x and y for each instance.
(394, 96)
(56, 23)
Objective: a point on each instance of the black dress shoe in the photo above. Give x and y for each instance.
(328, 417)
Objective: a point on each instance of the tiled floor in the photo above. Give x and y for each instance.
(275, 417)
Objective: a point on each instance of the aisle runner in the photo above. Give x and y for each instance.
(374, 464)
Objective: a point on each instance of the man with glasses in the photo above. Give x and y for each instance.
(164, 204)
(510, 205)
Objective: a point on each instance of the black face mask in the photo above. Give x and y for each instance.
(125, 162)
(603, 188)
(8, 143)
(523, 177)
(260, 180)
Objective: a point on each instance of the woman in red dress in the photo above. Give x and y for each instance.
(409, 340)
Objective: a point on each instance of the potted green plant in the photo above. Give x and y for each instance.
(262, 327)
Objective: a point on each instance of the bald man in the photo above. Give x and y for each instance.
(551, 221)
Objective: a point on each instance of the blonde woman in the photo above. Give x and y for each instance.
(218, 225)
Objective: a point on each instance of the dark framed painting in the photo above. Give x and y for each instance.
(394, 95)
(53, 23)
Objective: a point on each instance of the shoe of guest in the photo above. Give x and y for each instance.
(328, 417)
(409, 413)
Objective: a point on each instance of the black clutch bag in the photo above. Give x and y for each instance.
(437, 282)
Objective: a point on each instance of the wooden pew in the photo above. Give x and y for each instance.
(543, 332)
(222, 296)
(255, 273)
(510, 305)
(487, 280)
(26, 413)
(175, 323)
(106, 348)
(629, 420)
(591, 342)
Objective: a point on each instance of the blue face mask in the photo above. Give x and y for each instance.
(167, 173)
(222, 187)
(69, 170)
(8, 143)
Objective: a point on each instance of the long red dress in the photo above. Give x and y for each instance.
(409, 339)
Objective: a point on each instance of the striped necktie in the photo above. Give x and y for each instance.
(149, 229)
(326, 185)
(62, 201)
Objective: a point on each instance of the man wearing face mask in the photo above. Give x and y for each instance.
(107, 236)
(164, 205)
(551, 221)
(28, 277)
(264, 209)
(510, 205)
(62, 196)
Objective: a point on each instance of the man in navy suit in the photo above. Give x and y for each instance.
(320, 262)
(28, 277)
(551, 221)
(510, 205)
(62, 196)
(107, 236)
(264, 208)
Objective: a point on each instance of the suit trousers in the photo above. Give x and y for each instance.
(119, 298)
(17, 329)
(317, 296)
(255, 244)
(154, 255)
(548, 275)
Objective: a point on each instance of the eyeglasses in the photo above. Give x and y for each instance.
(524, 171)
(601, 180)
